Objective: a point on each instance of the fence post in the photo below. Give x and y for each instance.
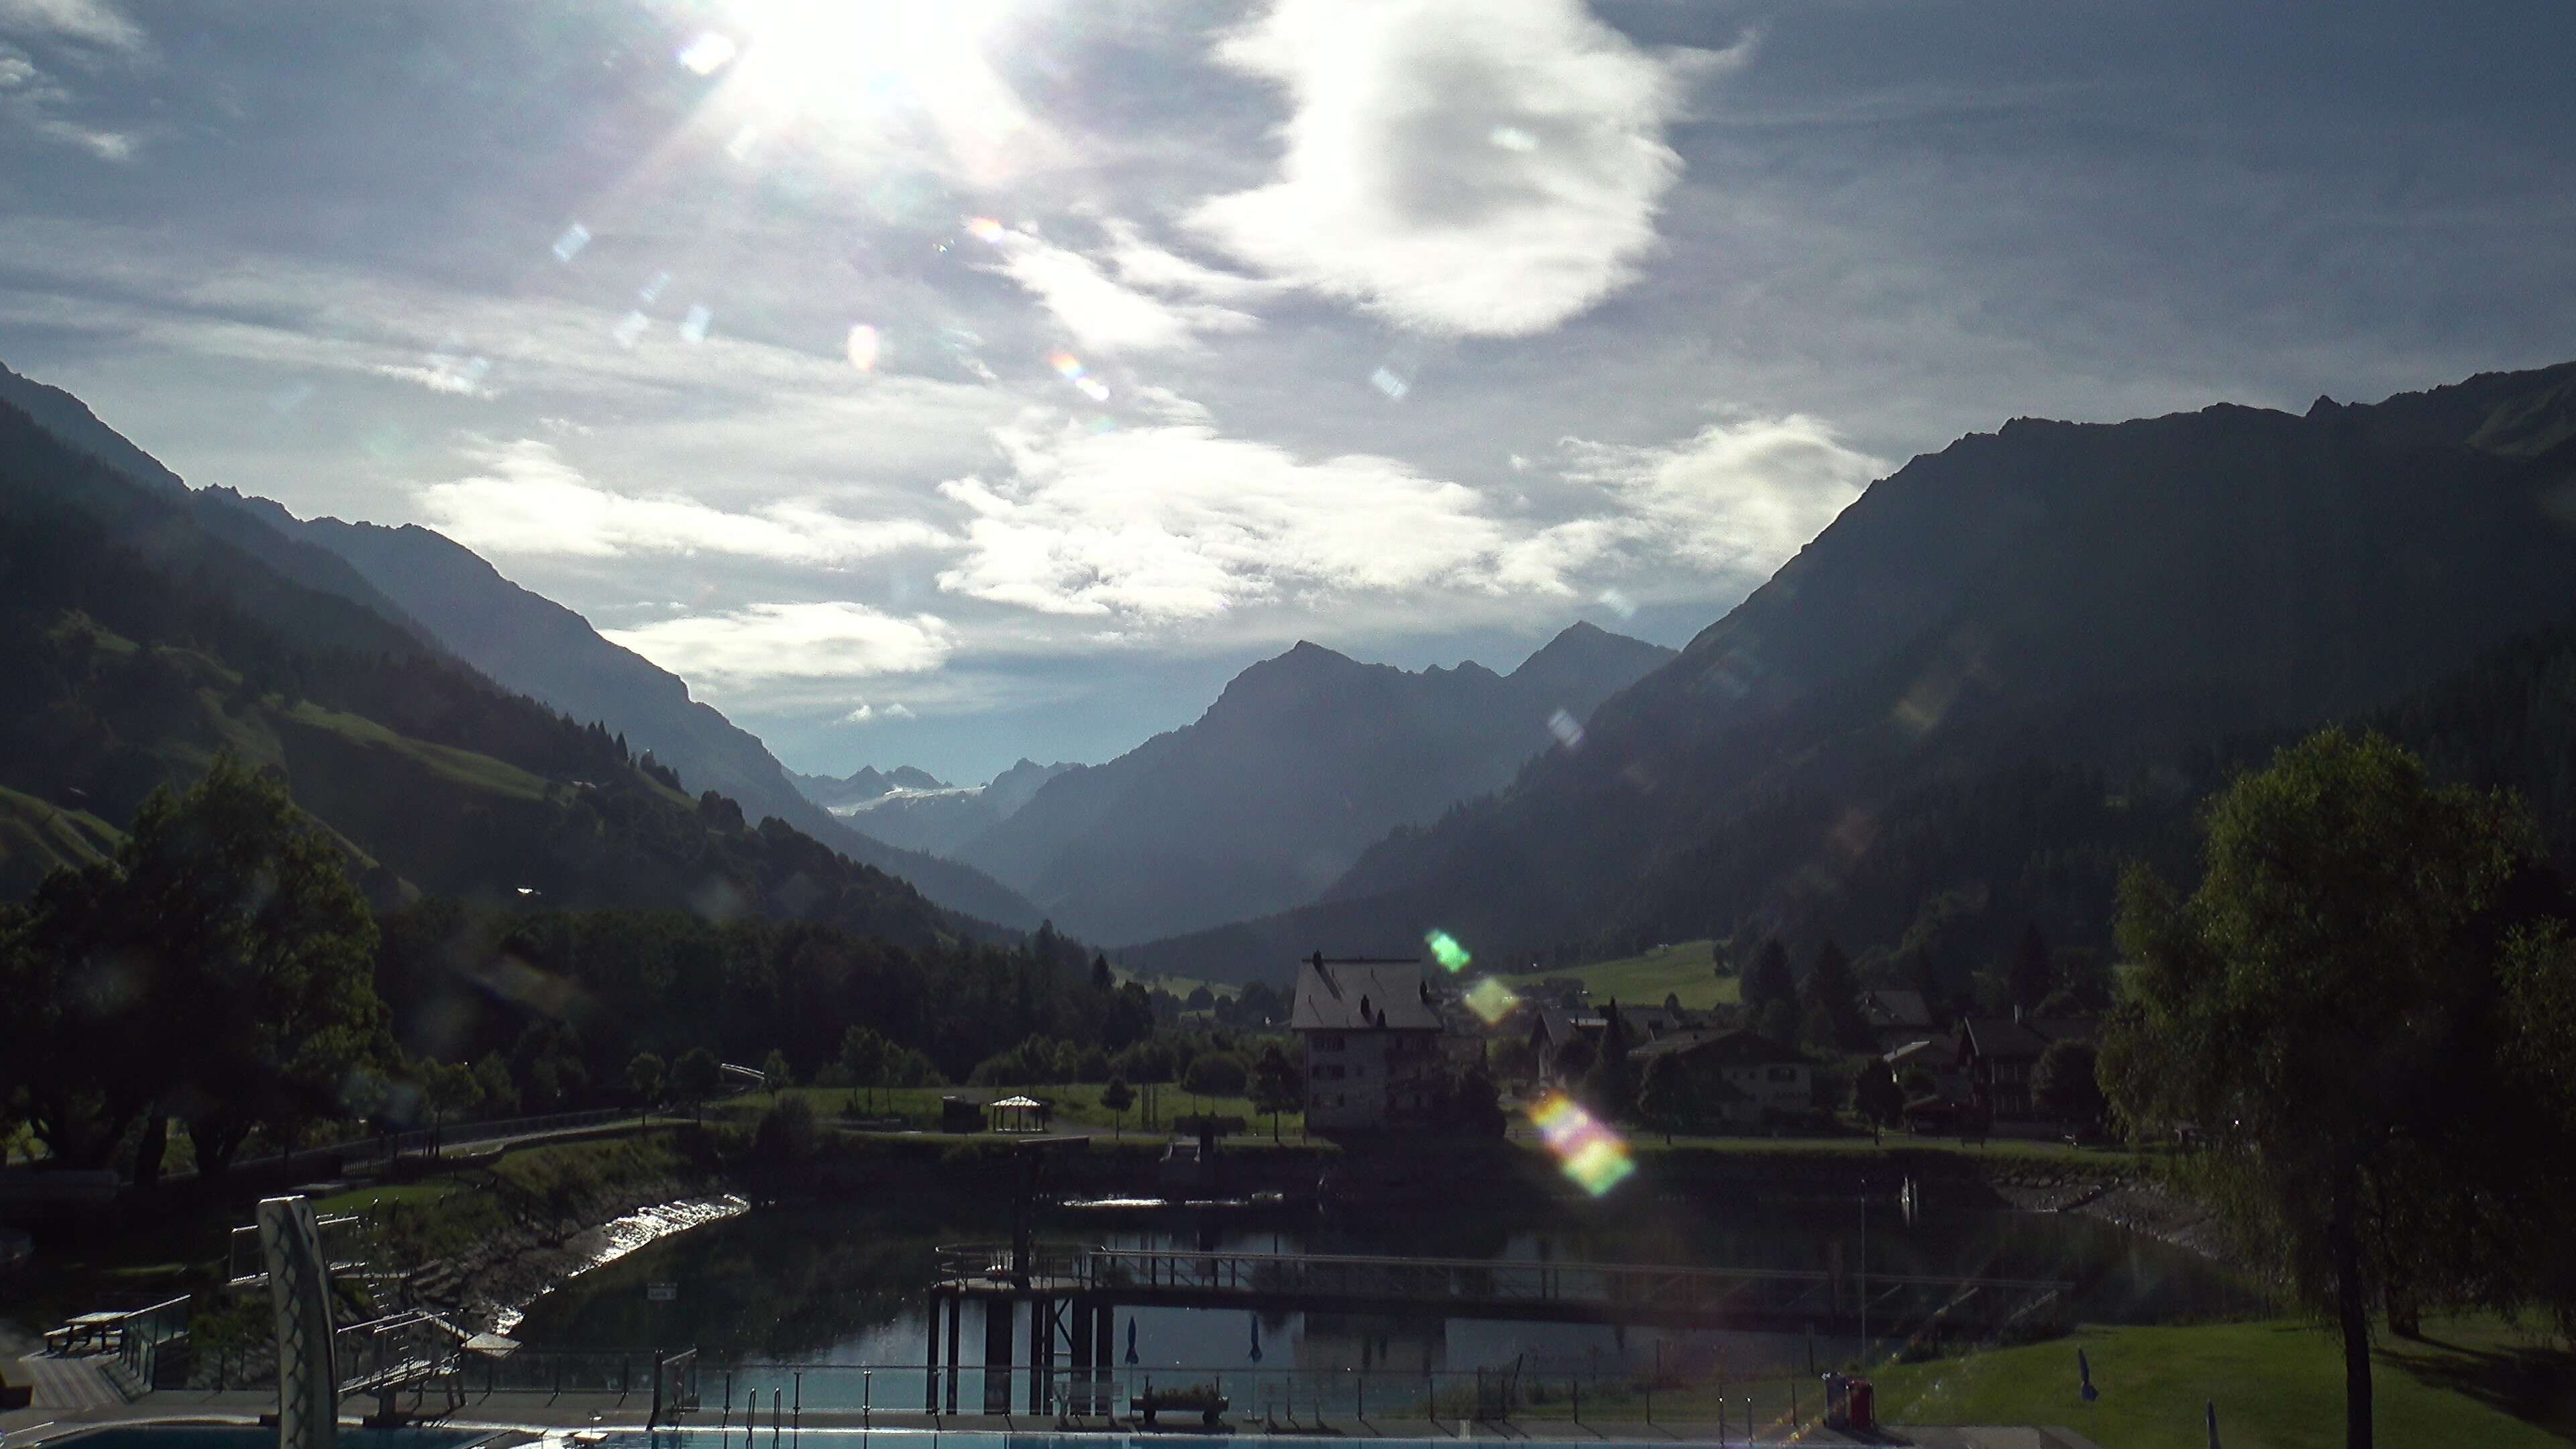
(726, 1422)
(1577, 1386)
(800, 1396)
(1650, 1403)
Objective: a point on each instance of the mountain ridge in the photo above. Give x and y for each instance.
(2096, 594)
(1326, 753)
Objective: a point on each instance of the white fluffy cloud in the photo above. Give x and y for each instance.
(1745, 494)
(833, 640)
(1457, 167)
(531, 502)
(1101, 311)
(1176, 522)
(1167, 524)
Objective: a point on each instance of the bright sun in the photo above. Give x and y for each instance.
(857, 66)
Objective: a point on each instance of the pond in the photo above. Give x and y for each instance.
(833, 1288)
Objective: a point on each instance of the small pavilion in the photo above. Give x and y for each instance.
(1019, 1114)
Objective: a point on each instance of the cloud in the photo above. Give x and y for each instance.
(1175, 522)
(1456, 167)
(1169, 524)
(1101, 312)
(832, 640)
(98, 22)
(35, 102)
(532, 502)
(1743, 494)
(866, 712)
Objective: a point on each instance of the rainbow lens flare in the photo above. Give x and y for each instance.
(1491, 1000)
(1592, 1155)
(862, 347)
(1446, 950)
(709, 53)
(984, 229)
(1069, 367)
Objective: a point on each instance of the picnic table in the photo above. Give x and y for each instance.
(88, 1332)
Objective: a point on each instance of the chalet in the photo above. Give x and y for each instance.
(1373, 1038)
(1997, 1054)
(1763, 1079)
(1896, 1017)
(1552, 1029)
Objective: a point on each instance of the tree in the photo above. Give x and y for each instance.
(2066, 1083)
(2326, 1005)
(1215, 1074)
(2034, 971)
(1118, 1097)
(1876, 1095)
(1103, 980)
(219, 967)
(1830, 998)
(695, 1076)
(1769, 980)
(644, 1074)
(775, 1075)
(451, 1090)
(500, 1094)
(1778, 1022)
(1673, 1095)
(1276, 1086)
(1613, 1081)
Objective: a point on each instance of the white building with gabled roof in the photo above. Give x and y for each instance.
(1372, 1038)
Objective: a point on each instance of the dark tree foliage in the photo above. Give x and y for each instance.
(1829, 998)
(216, 969)
(1769, 979)
(2355, 1003)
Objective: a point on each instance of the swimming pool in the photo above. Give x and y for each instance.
(254, 1436)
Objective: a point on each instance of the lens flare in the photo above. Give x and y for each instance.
(569, 245)
(1394, 384)
(630, 328)
(984, 229)
(1446, 950)
(1069, 367)
(862, 348)
(1567, 729)
(1491, 1000)
(693, 328)
(1590, 1154)
(708, 53)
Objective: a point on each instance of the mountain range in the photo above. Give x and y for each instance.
(909, 807)
(450, 601)
(1985, 641)
(1301, 763)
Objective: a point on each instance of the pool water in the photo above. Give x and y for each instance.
(253, 1436)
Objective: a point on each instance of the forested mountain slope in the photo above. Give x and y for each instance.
(1303, 761)
(2114, 601)
(448, 599)
(144, 644)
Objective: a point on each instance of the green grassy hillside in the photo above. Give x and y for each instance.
(36, 836)
(1687, 969)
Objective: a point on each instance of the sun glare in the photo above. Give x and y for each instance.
(855, 67)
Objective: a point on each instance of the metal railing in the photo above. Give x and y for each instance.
(1626, 1290)
(787, 1394)
(348, 1245)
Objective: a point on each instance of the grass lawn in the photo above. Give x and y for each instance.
(1896, 1145)
(2278, 1385)
(1687, 969)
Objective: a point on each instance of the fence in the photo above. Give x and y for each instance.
(762, 1393)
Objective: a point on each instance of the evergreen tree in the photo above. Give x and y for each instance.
(1768, 981)
(1830, 995)
(1612, 1083)
(1102, 979)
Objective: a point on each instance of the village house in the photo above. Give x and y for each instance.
(1998, 1054)
(1763, 1081)
(1373, 1046)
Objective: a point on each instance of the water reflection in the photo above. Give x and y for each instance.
(842, 1284)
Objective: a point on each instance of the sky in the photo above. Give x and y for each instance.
(950, 383)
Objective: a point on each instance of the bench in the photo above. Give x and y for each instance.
(1205, 1399)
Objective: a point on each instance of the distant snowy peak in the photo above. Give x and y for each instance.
(916, 810)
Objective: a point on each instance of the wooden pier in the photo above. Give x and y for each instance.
(1073, 1291)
